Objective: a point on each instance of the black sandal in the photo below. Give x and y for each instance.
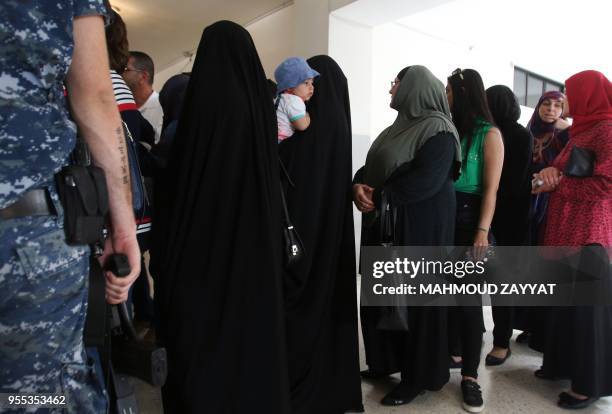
(401, 394)
(571, 403)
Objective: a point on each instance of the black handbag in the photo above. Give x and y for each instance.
(581, 162)
(388, 215)
(293, 246)
(395, 316)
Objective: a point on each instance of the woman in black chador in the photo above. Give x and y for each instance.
(321, 290)
(218, 286)
(511, 220)
(414, 161)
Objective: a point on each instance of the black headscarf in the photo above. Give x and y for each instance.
(218, 286)
(321, 291)
(171, 97)
(511, 213)
(503, 104)
(517, 140)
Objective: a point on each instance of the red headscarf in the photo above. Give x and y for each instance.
(590, 99)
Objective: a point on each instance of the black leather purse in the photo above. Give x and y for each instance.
(581, 162)
(395, 316)
(387, 221)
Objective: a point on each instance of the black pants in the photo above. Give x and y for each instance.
(141, 296)
(466, 323)
(503, 318)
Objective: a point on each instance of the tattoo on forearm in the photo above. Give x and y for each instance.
(123, 157)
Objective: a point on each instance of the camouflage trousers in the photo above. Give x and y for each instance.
(43, 303)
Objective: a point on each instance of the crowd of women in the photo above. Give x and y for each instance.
(245, 334)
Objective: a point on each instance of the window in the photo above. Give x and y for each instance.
(535, 89)
(548, 86)
(528, 86)
(520, 85)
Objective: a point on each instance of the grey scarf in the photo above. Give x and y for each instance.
(423, 112)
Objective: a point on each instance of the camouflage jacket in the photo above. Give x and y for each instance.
(36, 135)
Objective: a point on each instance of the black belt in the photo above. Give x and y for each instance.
(32, 203)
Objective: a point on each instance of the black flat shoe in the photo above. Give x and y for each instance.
(570, 403)
(523, 337)
(455, 365)
(493, 361)
(355, 410)
(541, 374)
(401, 394)
(369, 374)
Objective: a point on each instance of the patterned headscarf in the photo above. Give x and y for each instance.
(545, 142)
(536, 125)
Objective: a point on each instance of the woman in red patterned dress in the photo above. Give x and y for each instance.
(580, 214)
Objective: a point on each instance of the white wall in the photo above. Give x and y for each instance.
(396, 46)
(299, 29)
(183, 65)
(273, 38)
(350, 45)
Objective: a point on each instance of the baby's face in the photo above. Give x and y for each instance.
(304, 90)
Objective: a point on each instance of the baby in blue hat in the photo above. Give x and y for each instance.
(294, 80)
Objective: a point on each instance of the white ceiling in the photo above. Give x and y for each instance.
(166, 28)
(557, 38)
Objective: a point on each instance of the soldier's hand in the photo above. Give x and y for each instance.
(117, 288)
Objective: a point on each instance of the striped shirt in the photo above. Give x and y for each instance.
(123, 94)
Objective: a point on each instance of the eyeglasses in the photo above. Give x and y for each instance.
(126, 69)
(458, 72)
(394, 82)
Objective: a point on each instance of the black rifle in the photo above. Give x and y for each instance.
(131, 355)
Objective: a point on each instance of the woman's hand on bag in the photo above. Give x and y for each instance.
(481, 243)
(362, 197)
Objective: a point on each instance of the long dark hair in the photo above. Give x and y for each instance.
(469, 102)
(117, 42)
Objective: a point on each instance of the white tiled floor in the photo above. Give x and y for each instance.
(511, 388)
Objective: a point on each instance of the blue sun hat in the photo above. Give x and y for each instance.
(291, 72)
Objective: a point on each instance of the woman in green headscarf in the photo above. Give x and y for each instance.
(414, 161)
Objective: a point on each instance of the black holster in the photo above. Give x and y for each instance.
(84, 196)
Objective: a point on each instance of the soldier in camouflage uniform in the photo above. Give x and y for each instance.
(43, 281)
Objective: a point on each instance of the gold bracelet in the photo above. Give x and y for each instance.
(482, 229)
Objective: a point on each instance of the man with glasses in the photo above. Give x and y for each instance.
(138, 75)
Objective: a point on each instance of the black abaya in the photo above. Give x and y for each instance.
(577, 339)
(511, 220)
(423, 192)
(219, 289)
(510, 224)
(321, 290)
